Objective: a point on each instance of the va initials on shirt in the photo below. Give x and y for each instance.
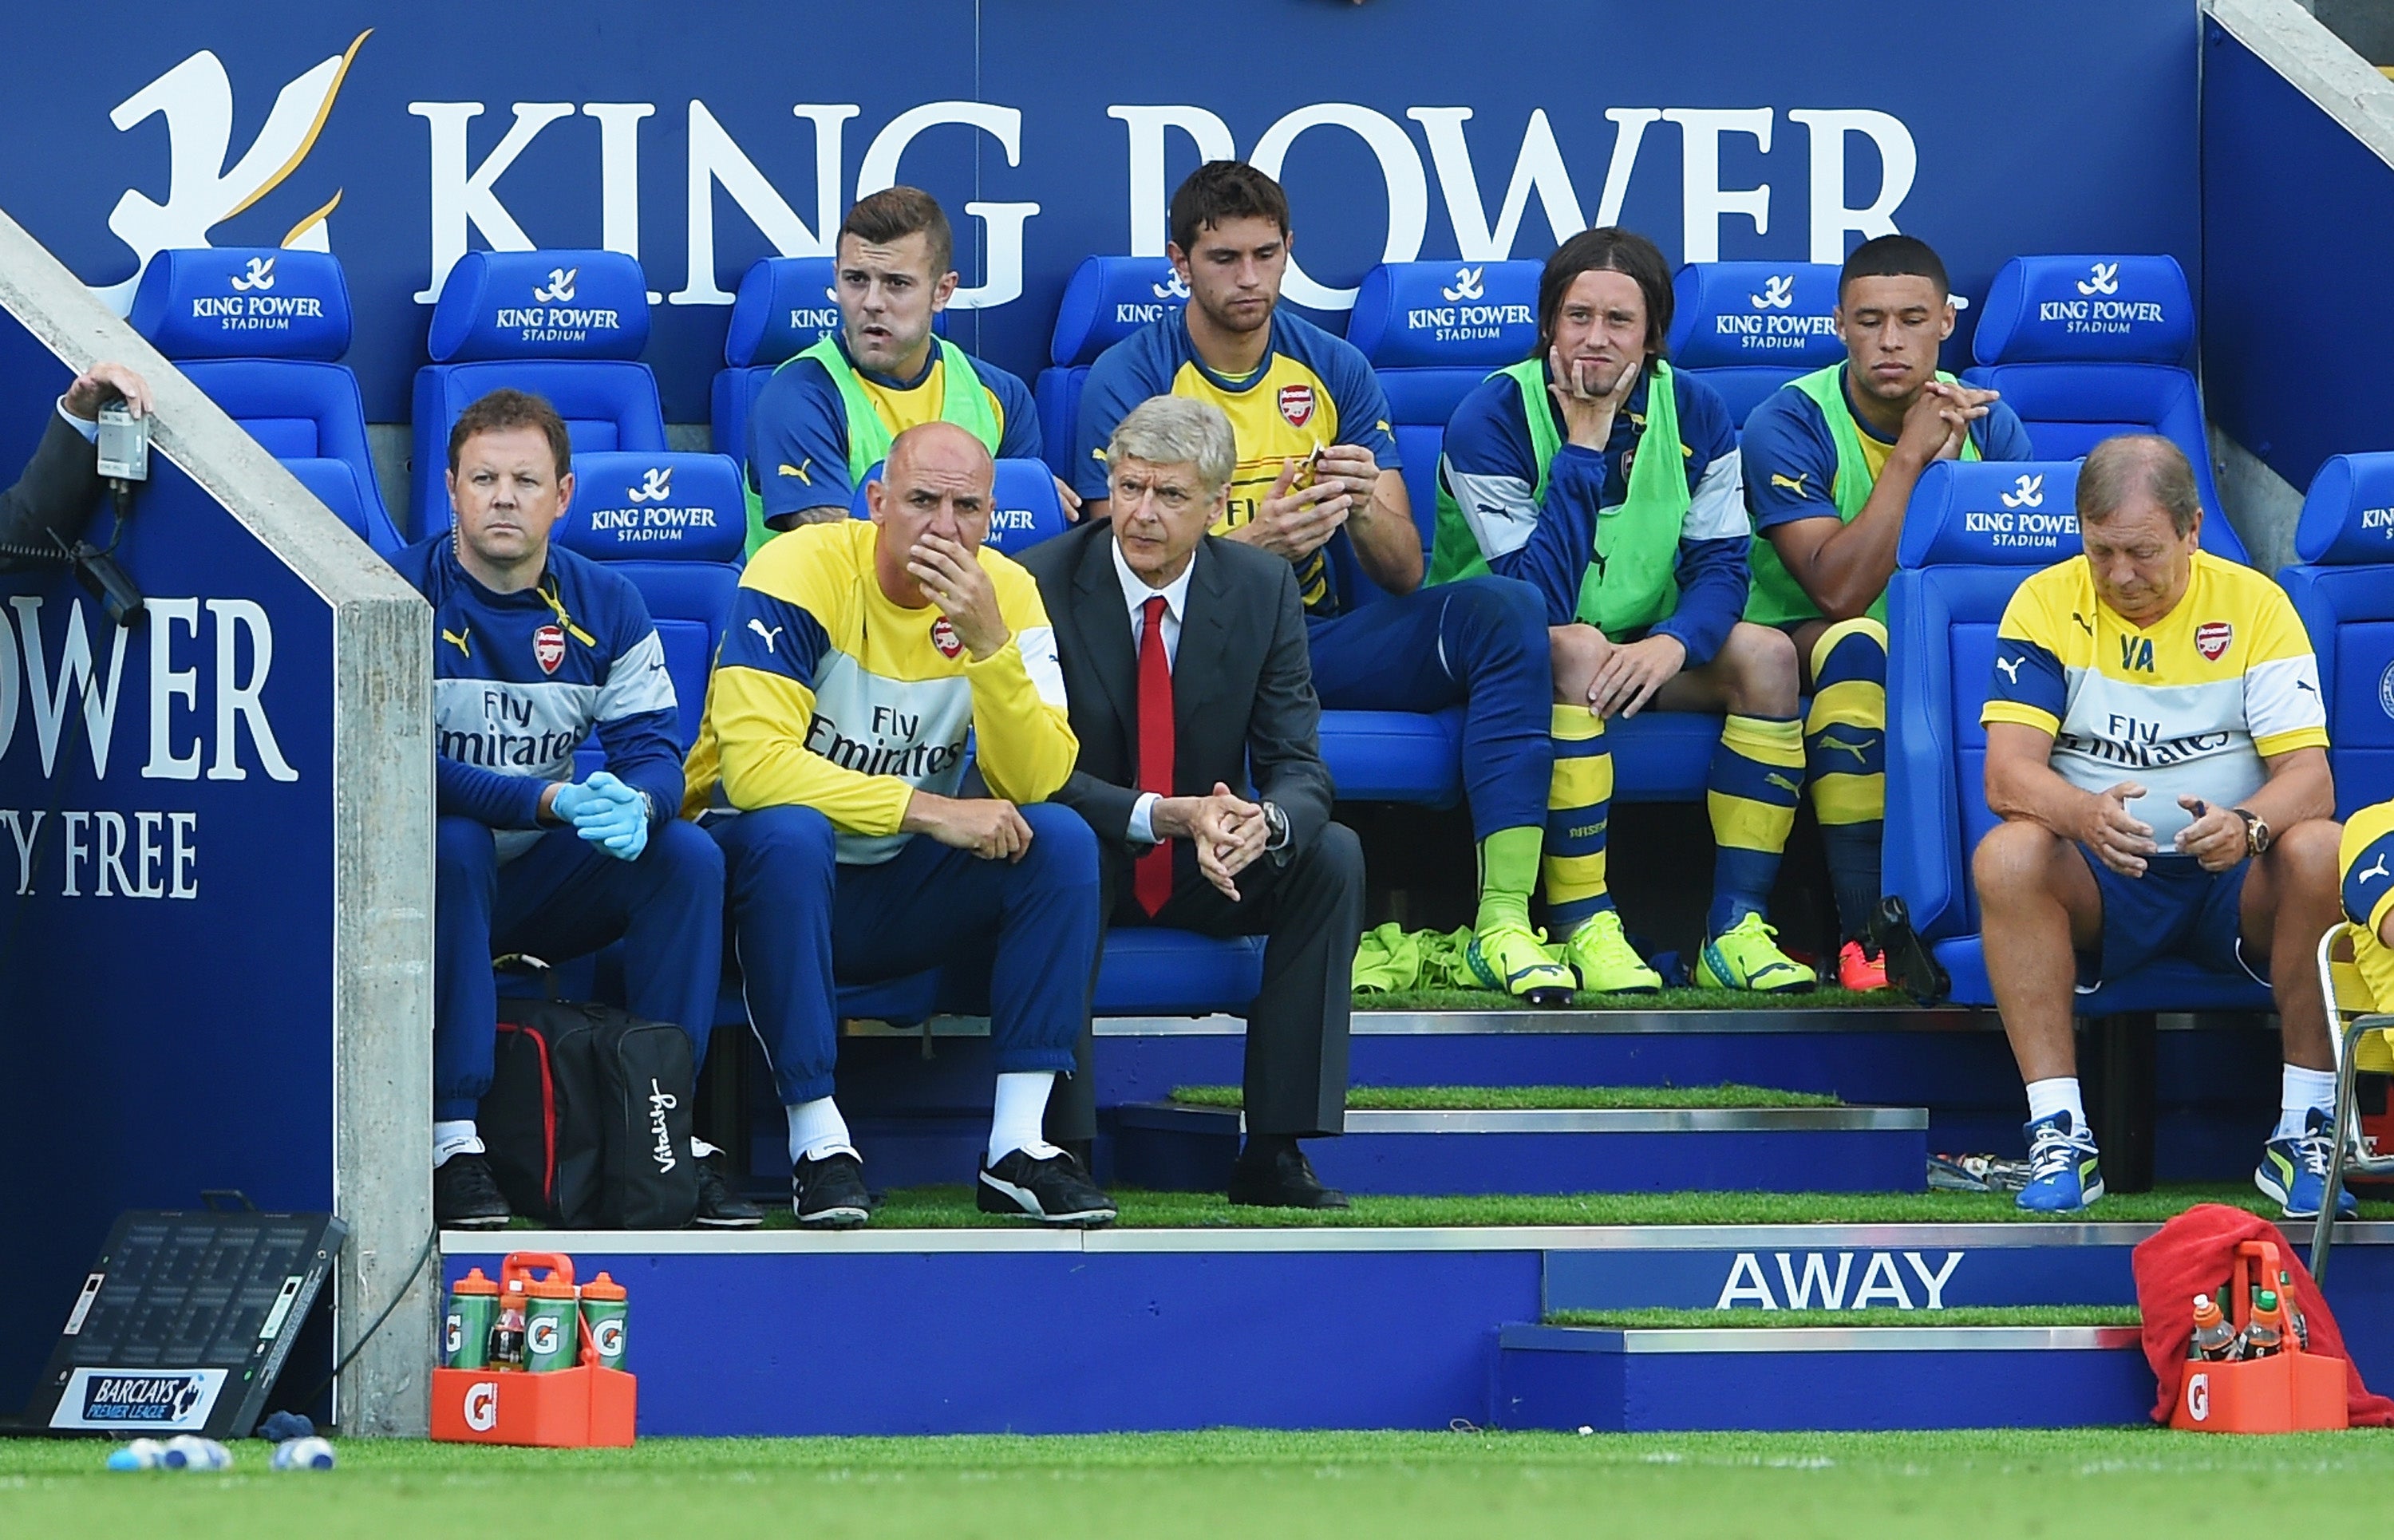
(2136, 656)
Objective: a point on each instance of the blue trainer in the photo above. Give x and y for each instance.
(2294, 1170)
(2064, 1171)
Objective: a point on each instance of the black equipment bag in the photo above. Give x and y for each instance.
(587, 1121)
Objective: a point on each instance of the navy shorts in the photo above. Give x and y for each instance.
(2177, 909)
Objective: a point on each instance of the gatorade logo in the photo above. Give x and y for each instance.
(542, 1339)
(456, 1335)
(482, 1405)
(2198, 1398)
(609, 1339)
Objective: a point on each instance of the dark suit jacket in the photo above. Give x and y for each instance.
(1242, 682)
(60, 483)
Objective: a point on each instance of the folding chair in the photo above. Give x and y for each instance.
(2364, 1044)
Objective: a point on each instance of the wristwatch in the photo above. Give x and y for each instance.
(2256, 830)
(1275, 827)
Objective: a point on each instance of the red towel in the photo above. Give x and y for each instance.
(2196, 1254)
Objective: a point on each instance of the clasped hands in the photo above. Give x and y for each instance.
(1228, 831)
(604, 812)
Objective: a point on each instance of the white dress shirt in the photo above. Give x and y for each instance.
(1135, 593)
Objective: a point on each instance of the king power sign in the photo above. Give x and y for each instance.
(399, 142)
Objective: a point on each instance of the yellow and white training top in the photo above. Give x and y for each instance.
(2191, 706)
(827, 695)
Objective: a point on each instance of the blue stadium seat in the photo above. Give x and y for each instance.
(783, 305)
(1027, 510)
(1106, 299)
(1747, 328)
(260, 331)
(2344, 589)
(2087, 347)
(674, 525)
(568, 325)
(1973, 532)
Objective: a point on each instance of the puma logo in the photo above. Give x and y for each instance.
(770, 636)
(799, 470)
(2084, 624)
(2009, 665)
(1793, 483)
(1781, 782)
(459, 639)
(1859, 751)
(2376, 871)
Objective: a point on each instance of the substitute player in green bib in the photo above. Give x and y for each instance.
(1829, 464)
(1610, 483)
(827, 415)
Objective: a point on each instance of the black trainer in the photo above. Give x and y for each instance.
(1053, 1189)
(829, 1193)
(466, 1196)
(719, 1207)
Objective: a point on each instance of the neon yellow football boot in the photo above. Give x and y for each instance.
(1744, 956)
(1515, 959)
(1600, 954)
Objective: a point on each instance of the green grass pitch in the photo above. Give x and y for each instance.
(1285, 1486)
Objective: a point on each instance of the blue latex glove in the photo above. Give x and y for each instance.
(607, 814)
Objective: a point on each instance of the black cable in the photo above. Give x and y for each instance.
(431, 1241)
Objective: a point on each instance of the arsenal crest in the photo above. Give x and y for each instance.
(944, 638)
(2211, 639)
(548, 646)
(1296, 405)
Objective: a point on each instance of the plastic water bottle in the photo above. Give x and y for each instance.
(2265, 1334)
(140, 1455)
(2214, 1338)
(190, 1452)
(303, 1454)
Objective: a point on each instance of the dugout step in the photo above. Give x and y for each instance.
(1820, 1378)
(1172, 1147)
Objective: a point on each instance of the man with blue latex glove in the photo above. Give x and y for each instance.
(535, 650)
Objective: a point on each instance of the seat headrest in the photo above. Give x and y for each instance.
(2087, 309)
(1979, 513)
(655, 507)
(541, 304)
(203, 302)
(1451, 315)
(1106, 299)
(2348, 520)
(785, 304)
(1728, 315)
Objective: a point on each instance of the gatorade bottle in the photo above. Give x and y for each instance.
(466, 1335)
(2294, 1313)
(507, 1331)
(605, 1310)
(552, 1337)
(2214, 1338)
(2265, 1334)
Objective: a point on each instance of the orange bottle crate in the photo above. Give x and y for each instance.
(581, 1407)
(2289, 1391)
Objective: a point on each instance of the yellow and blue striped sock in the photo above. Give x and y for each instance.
(1844, 756)
(1579, 806)
(1756, 777)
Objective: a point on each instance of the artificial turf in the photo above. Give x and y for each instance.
(1475, 1099)
(951, 1208)
(1289, 1486)
(1968, 1315)
(1669, 999)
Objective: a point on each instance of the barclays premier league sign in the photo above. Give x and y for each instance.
(400, 140)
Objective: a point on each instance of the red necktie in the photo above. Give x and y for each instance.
(1152, 880)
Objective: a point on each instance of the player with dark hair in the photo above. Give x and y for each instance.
(534, 649)
(828, 415)
(1317, 475)
(1609, 481)
(1831, 460)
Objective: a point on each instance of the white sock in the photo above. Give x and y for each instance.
(1022, 1108)
(817, 1129)
(455, 1137)
(2057, 1095)
(2299, 1092)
